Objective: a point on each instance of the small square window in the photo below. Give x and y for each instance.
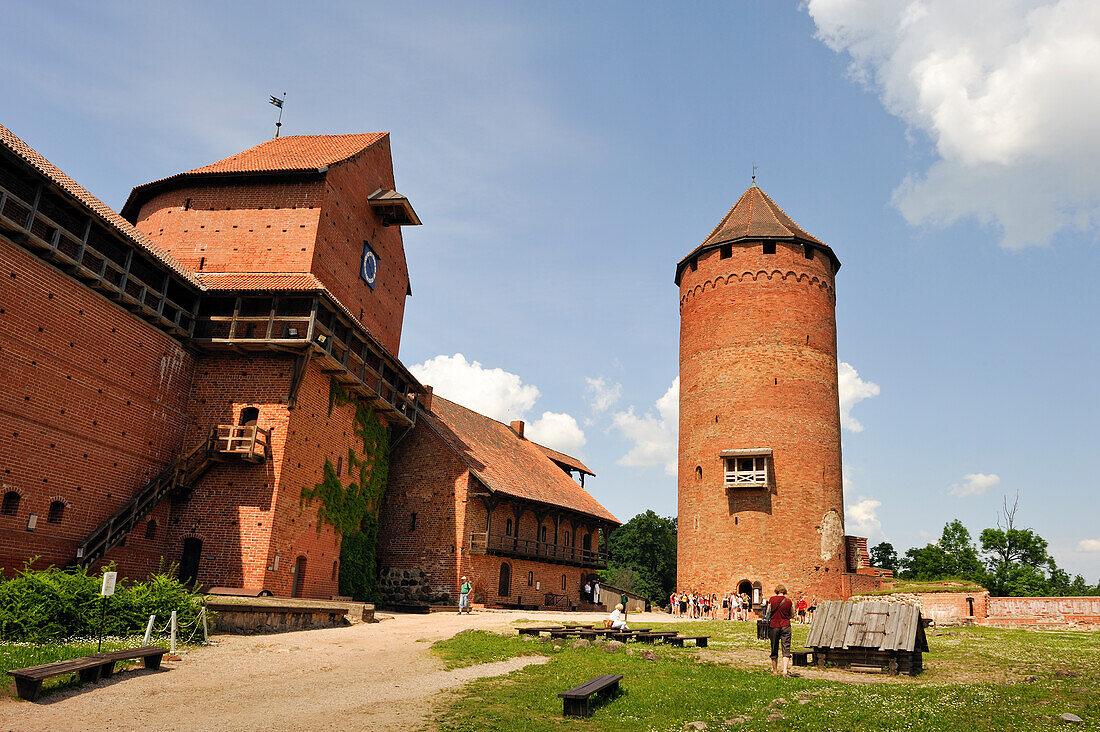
(769, 247)
(726, 251)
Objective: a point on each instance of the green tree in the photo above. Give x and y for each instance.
(929, 562)
(643, 552)
(960, 552)
(884, 555)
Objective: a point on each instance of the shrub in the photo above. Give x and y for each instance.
(55, 604)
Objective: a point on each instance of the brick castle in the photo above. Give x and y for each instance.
(760, 489)
(176, 376)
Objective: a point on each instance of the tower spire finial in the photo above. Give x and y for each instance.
(754, 167)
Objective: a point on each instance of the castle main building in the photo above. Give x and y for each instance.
(760, 489)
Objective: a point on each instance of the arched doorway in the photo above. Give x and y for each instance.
(189, 560)
(745, 588)
(299, 577)
(504, 587)
(249, 415)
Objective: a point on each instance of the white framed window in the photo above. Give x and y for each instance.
(747, 468)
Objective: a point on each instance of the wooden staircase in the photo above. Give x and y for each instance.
(224, 443)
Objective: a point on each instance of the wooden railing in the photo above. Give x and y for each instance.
(249, 442)
(484, 543)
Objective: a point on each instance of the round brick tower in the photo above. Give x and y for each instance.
(760, 491)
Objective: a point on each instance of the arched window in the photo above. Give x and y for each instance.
(10, 506)
(542, 534)
(150, 530)
(567, 539)
(508, 527)
(249, 416)
(57, 511)
(698, 472)
(587, 542)
(335, 567)
(504, 587)
(563, 581)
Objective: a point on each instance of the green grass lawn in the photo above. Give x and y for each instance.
(975, 679)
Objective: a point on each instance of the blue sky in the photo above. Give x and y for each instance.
(564, 158)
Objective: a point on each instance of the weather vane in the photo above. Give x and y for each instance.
(754, 167)
(278, 103)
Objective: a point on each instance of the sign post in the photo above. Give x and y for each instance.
(105, 591)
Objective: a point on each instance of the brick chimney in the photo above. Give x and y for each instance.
(426, 399)
(517, 427)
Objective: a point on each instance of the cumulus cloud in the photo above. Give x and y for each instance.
(602, 394)
(1008, 94)
(861, 518)
(975, 484)
(493, 392)
(653, 434)
(853, 390)
(1088, 545)
(557, 430)
(501, 395)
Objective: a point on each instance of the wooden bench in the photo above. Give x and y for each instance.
(563, 633)
(801, 656)
(678, 640)
(655, 636)
(533, 630)
(28, 681)
(577, 701)
(577, 626)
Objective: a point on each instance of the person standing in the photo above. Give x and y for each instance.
(801, 606)
(779, 628)
(623, 600)
(588, 592)
(596, 592)
(464, 596)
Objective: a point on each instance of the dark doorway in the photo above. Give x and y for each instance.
(745, 588)
(970, 606)
(504, 588)
(249, 415)
(587, 542)
(189, 560)
(298, 585)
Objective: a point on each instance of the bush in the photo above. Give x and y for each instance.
(55, 604)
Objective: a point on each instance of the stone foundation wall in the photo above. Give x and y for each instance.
(410, 587)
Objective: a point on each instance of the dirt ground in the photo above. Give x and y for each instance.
(370, 676)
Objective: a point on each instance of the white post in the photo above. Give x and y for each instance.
(149, 630)
(205, 630)
(173, 624)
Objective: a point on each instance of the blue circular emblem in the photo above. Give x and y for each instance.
(370, 267)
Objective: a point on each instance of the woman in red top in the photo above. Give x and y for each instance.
(800, 606)
(779, 628)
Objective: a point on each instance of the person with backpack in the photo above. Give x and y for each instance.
(464, 596)
(778, 613)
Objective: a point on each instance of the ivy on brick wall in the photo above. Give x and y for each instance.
(352, 508)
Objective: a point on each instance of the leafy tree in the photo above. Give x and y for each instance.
(643, 552)
(885, 556)
(925, 563)
(962, 556)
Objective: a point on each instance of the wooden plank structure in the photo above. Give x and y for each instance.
(869, 634)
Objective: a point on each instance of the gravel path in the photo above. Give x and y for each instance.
(376, 676)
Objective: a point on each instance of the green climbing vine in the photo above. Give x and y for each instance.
(352, 509)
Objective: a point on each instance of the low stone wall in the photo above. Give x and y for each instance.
(273, 617)
(1040, 610)
(942, 607)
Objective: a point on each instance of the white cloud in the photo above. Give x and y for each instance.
(861, 518)
(557, 430)
(1007, 92)
(975, 484)
(853, 390)
(493, 392)
(1088, 545)
(602, 393)
(654, 434)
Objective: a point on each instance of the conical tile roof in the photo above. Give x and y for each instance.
(756, 216)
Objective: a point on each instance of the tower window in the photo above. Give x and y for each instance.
(563, 581)
(530, 579)
(412, 522)
(694, 266)
(508, 527)
(150, 530)
(542, 534)
(726, 252)
(809, 253)
(339, 465)
(57, 511)
(769, 247)
(746, 471)
(698, 472)
(10, 507)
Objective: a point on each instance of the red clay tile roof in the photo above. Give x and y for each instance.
(297, 152)
(506, 463)
(102, 211)
(283, 155)
(260, 281)
(561, 457)
(756, 216)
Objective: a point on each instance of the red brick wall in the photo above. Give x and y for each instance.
(93, 405)
(346, 222)
(758, 368)
(427, 478)
(242, 228)
(1060, 609)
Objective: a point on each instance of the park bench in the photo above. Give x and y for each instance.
(536, 630)
(655, 636)
(678, 640)
(577, 701)
(801, 656)
(28, 681)
(577, 626)
(563, 633)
